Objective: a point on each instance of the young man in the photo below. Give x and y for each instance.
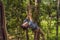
(28, 23)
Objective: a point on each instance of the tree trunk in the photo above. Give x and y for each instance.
(37, 31)
(57, 19)
(3, 34)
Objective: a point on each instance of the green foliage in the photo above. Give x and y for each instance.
(15, 11)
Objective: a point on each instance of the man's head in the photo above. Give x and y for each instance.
(25, 25)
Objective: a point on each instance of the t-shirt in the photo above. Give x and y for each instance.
(31, 24)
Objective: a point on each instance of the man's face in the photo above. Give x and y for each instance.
(25, 24)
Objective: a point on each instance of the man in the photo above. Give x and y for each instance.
(28, 23)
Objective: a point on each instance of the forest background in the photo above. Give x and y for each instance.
(15, 13)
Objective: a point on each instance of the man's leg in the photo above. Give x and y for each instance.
(37, 33)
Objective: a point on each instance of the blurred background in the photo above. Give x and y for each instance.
(48, 20)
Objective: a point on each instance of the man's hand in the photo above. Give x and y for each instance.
(30, 17)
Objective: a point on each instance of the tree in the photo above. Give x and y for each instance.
(58, 2)
(3, 34)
